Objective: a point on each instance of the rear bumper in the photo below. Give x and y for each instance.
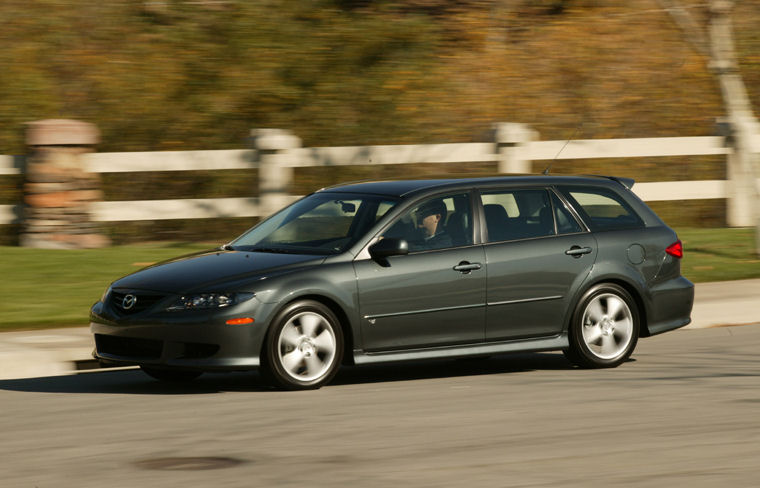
(670, 306)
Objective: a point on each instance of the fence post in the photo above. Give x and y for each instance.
(275, 168)
(741, 193)
(58, 189)
(511, 147)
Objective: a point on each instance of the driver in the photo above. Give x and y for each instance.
(430, 218)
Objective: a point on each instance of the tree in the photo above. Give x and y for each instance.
(742, 125)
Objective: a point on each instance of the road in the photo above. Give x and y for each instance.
(684, 412)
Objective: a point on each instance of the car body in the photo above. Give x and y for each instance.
(406, 270)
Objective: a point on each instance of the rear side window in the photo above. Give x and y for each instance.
(602, 209)
(517, 214)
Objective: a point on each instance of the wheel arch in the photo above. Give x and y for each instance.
(629, 287)
(343, 321)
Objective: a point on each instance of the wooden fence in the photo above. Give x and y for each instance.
(275, 153)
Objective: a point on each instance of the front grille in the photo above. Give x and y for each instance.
(197, 350)
(139, 301)
(129, 347)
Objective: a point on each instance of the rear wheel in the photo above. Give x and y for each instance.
(304, 347)
(604, 328)
(173, 375)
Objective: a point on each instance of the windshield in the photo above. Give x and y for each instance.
(322, 223)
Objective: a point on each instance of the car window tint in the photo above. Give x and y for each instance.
(602, 209)
(566, 223)
(436, 223)
(517, 214)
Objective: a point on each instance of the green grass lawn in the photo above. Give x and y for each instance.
(42, 288)
(719, 254)
(53, 288)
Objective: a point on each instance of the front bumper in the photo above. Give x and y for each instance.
(180, 341)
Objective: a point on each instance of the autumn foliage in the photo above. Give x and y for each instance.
(176, 74)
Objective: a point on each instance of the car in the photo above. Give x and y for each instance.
(388, 271)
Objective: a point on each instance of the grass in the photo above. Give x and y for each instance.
(42, 288)
(719, 254)
(55, 288)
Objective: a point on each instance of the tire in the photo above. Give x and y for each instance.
(604, 328)
(304, 346)
(171, 375)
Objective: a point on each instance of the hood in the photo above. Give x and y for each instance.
(202, 271)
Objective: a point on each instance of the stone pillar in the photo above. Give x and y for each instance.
(275, 167)
(58, 189)
(511, 146)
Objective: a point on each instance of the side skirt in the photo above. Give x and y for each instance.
(552, 343)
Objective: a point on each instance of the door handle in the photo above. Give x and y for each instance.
(465, 267)
(578, 251)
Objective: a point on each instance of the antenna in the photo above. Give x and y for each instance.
(548, 168)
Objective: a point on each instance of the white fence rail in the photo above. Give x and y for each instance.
(170, 161)
(523, 151)
(249, 207)
(9, 165)
(627, 148)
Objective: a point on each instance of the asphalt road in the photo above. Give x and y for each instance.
(684, 412)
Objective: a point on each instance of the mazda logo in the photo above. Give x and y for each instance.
(128, 302)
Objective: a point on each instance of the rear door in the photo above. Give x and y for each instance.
(538, 254)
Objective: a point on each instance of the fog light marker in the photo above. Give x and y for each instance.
(240, 321)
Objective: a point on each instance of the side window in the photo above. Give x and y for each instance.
(382, 209)
(436, 223)
(602, 209)
(517, 214)
(566, 223)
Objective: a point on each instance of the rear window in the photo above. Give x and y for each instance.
(602, 209)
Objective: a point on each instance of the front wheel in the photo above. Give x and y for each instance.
(604, 328)
(304, 347)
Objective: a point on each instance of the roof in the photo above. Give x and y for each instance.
(402, 188)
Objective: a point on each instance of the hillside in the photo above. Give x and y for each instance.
(181, 75)
(175, 75)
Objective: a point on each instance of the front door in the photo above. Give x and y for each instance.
(435, 295)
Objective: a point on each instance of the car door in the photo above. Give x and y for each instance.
(537, 254)
(435, 295)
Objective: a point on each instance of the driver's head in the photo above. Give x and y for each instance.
(429, 216)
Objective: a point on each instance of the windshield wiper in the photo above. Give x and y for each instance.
(275, 250)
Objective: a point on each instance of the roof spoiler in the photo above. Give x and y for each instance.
(626, 182)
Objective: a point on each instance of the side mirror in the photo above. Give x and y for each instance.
(386, 248)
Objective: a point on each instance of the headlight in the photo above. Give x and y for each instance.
(208, 300)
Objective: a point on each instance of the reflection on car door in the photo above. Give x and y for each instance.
(421, 300)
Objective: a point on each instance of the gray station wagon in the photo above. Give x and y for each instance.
(407, 270)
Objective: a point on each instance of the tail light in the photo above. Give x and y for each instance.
(675, 249)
